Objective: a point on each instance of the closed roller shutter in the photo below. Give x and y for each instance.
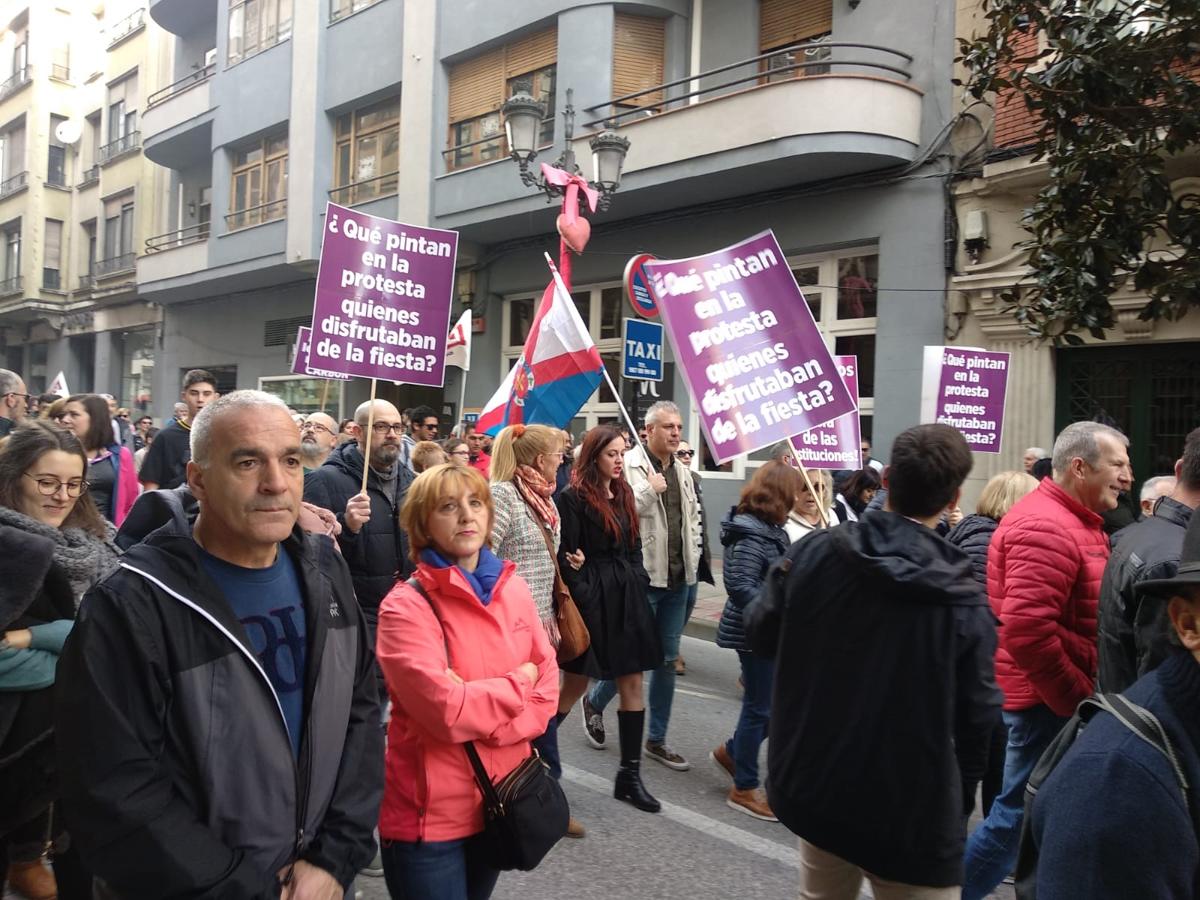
(477, 86)
(784, 22)
(639, 49)
(532, 52)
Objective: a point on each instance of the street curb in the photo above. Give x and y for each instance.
(704, 629)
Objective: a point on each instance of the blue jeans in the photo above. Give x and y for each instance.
(758, 675)
(670, 608)
(992, 849)
(437, 870)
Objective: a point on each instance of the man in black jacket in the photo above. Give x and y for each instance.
(371, 539)
(218, 725)
(1134, 630)
(885, 695)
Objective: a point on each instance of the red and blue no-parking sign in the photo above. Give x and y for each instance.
(637, 286)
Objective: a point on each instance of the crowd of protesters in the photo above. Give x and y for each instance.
(279, 655)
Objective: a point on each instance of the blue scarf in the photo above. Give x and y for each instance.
(482, 580)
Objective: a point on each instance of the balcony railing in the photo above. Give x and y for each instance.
(256, 215)
(16, 81)
(188, 81)
(818, 57)
(114, 264)
(87, 282)
(10, 285)
(126, 27)
(120, 146)
(10, 186)
(89, 177)
(52, 279)
(193, 234)
(60, 73)
(369, 189)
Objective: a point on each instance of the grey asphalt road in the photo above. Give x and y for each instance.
(697, 848)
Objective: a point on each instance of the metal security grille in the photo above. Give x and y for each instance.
(1150, 392)
(282, 332)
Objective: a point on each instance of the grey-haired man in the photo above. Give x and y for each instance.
(218, 724)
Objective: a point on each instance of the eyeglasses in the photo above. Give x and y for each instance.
(427, 426)
(317, 426)
(15, 394)
(48, 485)
(466, 453)
(383, 428)
(685, 454)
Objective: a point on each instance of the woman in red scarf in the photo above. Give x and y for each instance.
(524, 465)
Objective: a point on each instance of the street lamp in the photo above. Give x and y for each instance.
(522, 124)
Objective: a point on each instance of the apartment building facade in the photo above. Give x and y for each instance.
(76, 196)
(1144, 377)
(816, 118)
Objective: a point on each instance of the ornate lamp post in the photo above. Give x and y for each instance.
(563, 180)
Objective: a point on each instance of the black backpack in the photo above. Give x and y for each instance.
(1137, 719)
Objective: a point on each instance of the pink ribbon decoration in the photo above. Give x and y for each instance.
(572, 185)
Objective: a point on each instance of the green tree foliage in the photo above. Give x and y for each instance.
(1113, 84)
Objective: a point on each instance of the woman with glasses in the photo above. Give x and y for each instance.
(804, 517)
(54, 546)
(458, 451)
(525, 529)
(112, 476)
(600, 556)
(753, 537)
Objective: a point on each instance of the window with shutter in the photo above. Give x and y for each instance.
(480, 85)
(783, 23)
(639, 53)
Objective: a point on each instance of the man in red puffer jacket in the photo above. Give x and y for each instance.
(1045, 563)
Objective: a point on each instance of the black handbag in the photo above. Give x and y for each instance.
(526, 813)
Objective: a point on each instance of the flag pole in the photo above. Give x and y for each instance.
(566, 298)
(370, 435)
(324, 394)
(462, 400)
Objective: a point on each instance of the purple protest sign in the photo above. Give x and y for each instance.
(965, 388)
(752, 356)
(382, 307)
(300, 364)
(837, 444)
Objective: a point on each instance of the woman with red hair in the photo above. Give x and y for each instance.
(600, 554)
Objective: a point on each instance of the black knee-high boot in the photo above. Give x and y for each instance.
(629, 785)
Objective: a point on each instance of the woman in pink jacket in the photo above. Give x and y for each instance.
(466, 659)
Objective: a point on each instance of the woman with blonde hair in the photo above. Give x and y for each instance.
(973, 535)
(465, 659)
(804, 516)
(525, 529)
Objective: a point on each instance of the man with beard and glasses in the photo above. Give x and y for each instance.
(318, 436)
(372, 542)
(218, 729)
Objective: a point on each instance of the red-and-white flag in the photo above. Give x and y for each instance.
(458, 344)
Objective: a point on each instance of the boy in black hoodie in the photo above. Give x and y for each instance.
(885, 694)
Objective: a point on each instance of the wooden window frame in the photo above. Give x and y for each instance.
(348, 132)
(272, 20)
(271, 156)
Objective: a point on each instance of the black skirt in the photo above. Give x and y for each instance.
(611, 596)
